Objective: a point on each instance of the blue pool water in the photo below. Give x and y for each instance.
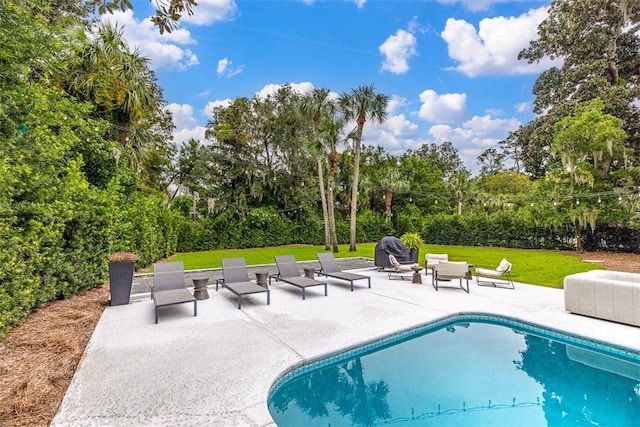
(466, 371)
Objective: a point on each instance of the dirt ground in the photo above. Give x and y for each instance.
(39, 357)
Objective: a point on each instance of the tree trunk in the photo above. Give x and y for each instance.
(387, 202)
(354, 189)
(578, 233)
(333, 237)
(323, 198)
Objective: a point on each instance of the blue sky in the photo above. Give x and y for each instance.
(449, 66)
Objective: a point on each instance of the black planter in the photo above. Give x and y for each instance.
(120, 280)
(413, 254)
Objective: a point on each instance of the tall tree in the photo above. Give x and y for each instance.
(491, 161)
(444, 156)
(587, 143)
(361, 104)
(331, 133)
(459, 184)
(315, 106)
(119, 81)
(599, 45)
(234, 163)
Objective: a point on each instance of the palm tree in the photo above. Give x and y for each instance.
(330, 131)
(315, 106)
(361, 104)
(392, 181)
(459, 185)
(119, 82)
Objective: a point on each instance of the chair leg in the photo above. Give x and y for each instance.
(463, 288)
(239, 301)
(195, 308)
(268, 296)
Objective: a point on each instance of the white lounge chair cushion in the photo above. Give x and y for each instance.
(502, 268)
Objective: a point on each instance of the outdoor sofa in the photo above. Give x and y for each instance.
(609, 295)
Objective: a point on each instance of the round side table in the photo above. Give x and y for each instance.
(309, 272)
(200, 288)
(417, 278)
(261, 279)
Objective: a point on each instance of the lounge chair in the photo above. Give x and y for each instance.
(329, 268)
(168, 287)
(401, 271)
(289, 273)
(235, 277)
(446, 270)
(503, 270)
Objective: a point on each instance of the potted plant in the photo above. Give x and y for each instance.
(121, 267)
(413, 242)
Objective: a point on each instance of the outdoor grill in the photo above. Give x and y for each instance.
(391, 245)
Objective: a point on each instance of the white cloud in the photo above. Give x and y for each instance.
(186, 124)
(486, 125)
(360, 3)
(395, 102)
(226, 70)
(446, 108)
(208, 109)
(162, 50)
(210, 11)
(474, 136)
(400, 126)
(494, 48)
(397, 49)
(396, 135)
(474, 5)
(182, 115)
(270, 89)
(222, 65)
(522, 107)
(181, 136)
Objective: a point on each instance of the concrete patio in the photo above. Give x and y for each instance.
(217, 368)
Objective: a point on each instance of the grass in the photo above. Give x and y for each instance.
(536, 267)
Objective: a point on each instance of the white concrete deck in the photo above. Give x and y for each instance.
(217, 368)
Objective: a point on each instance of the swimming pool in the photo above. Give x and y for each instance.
(469, 370)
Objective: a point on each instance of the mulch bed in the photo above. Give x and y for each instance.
(39, 357)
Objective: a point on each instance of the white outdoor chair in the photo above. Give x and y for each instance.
(446, 270)
(432, 259)
(502, 271)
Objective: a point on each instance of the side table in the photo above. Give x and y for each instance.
(417, 278)
(309, 272)
(200, 288)
(261, 279)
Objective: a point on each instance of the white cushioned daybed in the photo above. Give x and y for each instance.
(609, 295)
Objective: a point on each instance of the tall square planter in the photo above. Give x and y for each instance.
(120, 281)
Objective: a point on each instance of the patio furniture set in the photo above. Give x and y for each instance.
(443, 270)
(608, 295)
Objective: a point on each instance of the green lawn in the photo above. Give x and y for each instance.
(537, 267)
